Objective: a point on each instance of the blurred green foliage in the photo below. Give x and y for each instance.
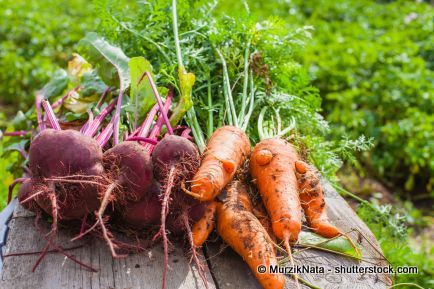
(373, 63)
(35, 38)
(393, 236)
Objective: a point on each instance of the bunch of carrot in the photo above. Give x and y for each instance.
(285, 183)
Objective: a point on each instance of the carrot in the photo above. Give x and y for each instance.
(240, 229)
(262, 215)
(272, 167)
(312, 201)
(226, 151)
(204, 226)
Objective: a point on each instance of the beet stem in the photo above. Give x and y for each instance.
(105, 135)
(143, 139)
(38, 100)
(157, 127)
(61, 100)
(160, 103)
(103, 97)
(117, 118)
(91, 127)
(17, 133)
(186, 133)
(144, 129)
(50, 115)
(194, 254)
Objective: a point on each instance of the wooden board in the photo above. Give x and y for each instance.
(225, 269)
(136, 271)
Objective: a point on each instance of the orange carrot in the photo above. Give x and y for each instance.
(204, 226)
(272, 167)
(226, 151)
(240, 229)
(262, 215)
(312, 201)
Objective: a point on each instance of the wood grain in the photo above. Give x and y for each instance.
(136, 271)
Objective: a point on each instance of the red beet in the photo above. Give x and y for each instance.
(145, 212)
(175, 160)
(65, 165)
(25, 192)
(129, 166)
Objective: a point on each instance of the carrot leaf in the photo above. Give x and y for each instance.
(340, 245)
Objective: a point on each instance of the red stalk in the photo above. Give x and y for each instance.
(50, 115)
(159, 101)
(91, 127)
(38, 99)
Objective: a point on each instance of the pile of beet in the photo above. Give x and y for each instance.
(79, 178)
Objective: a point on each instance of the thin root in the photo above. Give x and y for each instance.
(194, 255)
(12, 186)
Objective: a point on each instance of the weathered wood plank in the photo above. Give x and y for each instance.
(227, 267)
(137, 271)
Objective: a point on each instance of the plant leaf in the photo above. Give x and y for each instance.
(57, 84)
(340, 245)
(78, 104)
(141, 95)
(91, 84)
(186, 81)
(77, 66)
(105, 57)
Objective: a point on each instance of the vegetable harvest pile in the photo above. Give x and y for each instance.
(209, 127)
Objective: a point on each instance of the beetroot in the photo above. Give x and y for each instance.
(145, 212)
(129, 167)
(175, 160)
(65, 165)
(24, 193)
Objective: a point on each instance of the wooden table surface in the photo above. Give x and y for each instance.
(225, 269)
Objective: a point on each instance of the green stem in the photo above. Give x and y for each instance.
(196, 129)
(304, 282)
(227, 89)
(175, 34)
(246, 83)
(406, 284)
(261, 131)
(251, 103)
(210, 123)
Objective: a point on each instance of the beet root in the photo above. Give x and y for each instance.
(68, 165)
(174, 150)
(129, 166)
(145, 212)
(175, 160)
(66, 172)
